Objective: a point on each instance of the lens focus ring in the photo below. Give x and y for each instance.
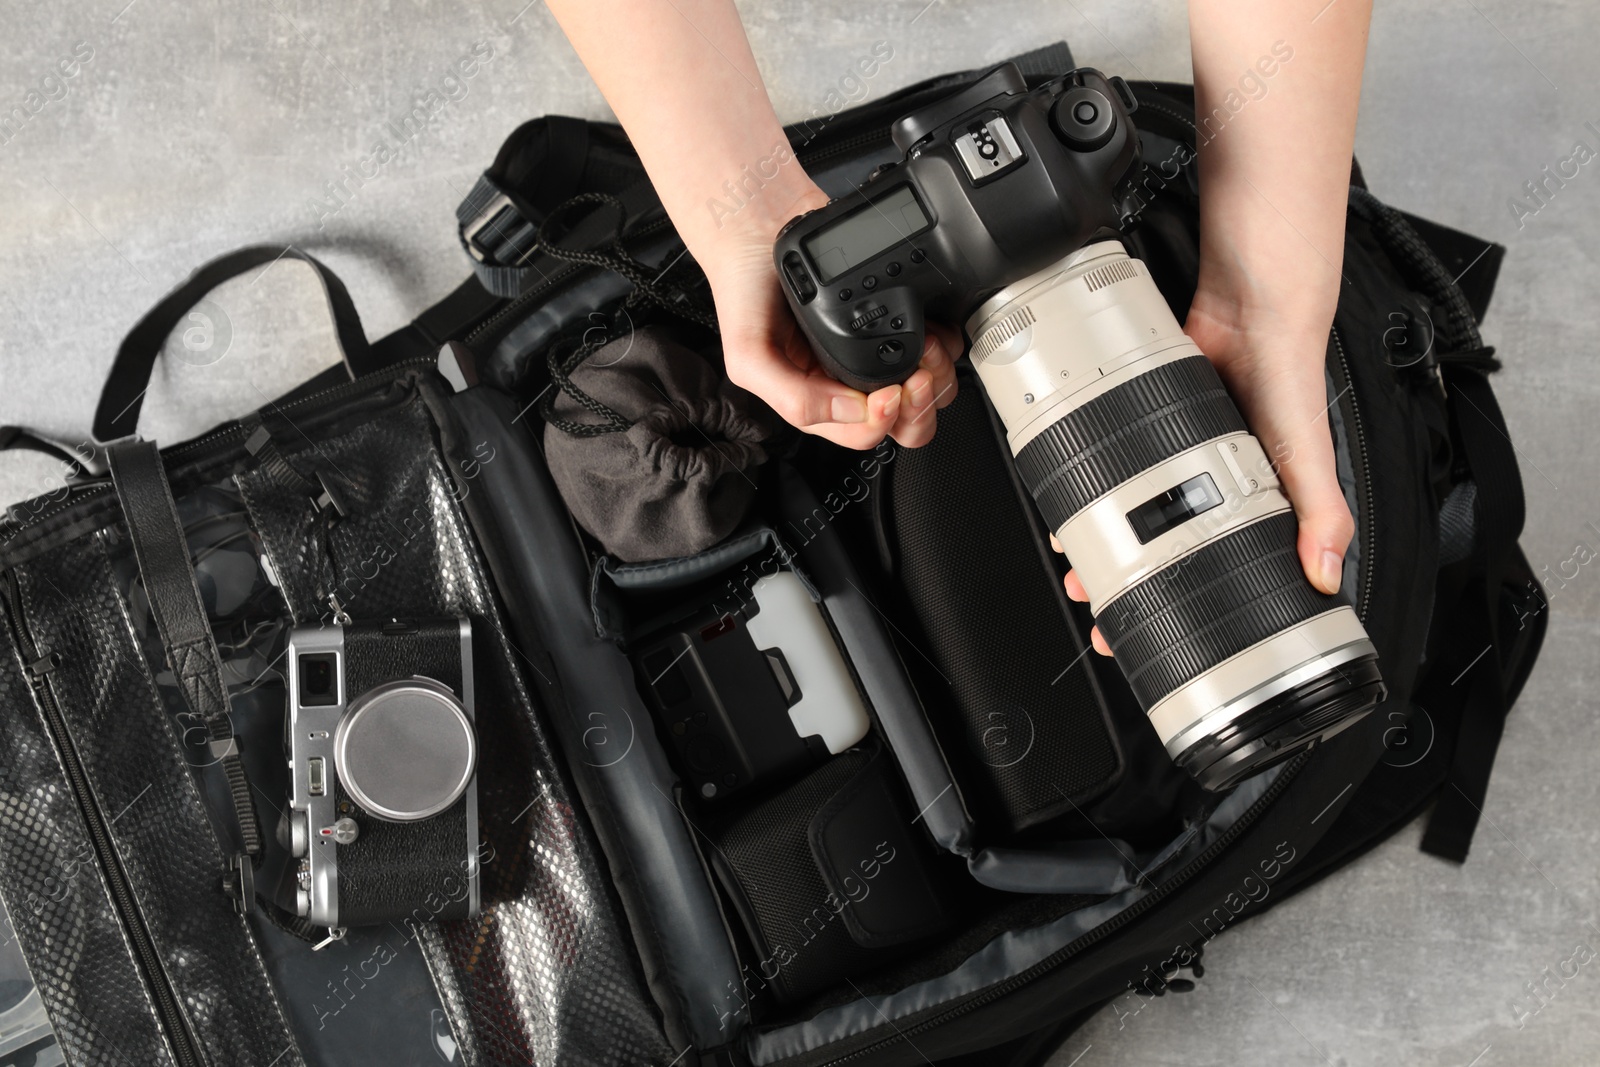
(1095, 448)
(1215, 602)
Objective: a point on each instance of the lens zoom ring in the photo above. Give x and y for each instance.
(1115, 436)
(1211, 604)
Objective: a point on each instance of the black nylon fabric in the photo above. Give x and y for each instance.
(802, 938)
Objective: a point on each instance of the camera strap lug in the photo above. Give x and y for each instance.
(322, 493)
(337, 608)
(335, 933)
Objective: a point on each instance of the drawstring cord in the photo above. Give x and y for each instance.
(646, 290)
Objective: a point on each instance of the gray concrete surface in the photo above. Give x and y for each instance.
(196, 128)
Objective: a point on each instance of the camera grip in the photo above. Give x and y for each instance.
(865, 358)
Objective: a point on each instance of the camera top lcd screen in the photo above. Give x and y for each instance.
(865, 232)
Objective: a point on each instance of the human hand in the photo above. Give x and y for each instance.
(1269, 349)
(766, 353)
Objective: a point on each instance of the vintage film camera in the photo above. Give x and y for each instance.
(383, 805)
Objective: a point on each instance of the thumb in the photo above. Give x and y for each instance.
(1311, 482)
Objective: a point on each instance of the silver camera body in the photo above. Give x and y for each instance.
(382, 749)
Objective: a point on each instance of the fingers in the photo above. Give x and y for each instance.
(1075, 591)
(808, 398)
(930, 388)
(1302, 450)
(1278, 384)
(944, 371)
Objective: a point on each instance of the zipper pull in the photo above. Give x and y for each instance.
(39, 668)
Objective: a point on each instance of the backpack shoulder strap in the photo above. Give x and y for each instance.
(1482, 666)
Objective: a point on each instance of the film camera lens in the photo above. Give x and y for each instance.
(1170, 512)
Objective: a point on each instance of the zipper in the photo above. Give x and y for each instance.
(1099, 933)
(849, 144)
(185, 1049)
(1369, 521)
(207, 442)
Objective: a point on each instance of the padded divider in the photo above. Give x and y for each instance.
(618, 590)
(1010, 953)
(860, 626)
(618, 764)
(1001, 664)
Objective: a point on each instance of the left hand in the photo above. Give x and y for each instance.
(1270, 354)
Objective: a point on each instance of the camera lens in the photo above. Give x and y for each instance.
(1170, 511)
(319, 679)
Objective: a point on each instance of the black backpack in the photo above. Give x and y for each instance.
(623, 923)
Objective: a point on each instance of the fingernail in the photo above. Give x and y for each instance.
(849, 409)
(930, 358)
(921, 395)
(1332, 570)
(891, 407)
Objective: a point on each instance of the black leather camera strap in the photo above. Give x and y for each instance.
(162, 553)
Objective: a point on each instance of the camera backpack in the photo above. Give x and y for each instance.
(1006, 851)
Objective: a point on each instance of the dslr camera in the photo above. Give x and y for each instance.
(383, 805)
(1005, 213)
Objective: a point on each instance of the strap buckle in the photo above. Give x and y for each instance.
(497, 216)
(239, 883)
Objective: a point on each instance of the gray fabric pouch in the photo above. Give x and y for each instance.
(653, 450)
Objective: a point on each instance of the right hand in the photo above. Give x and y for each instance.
(766, 352)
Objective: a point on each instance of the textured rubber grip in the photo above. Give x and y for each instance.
(1212, 604)
(1095, 448)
